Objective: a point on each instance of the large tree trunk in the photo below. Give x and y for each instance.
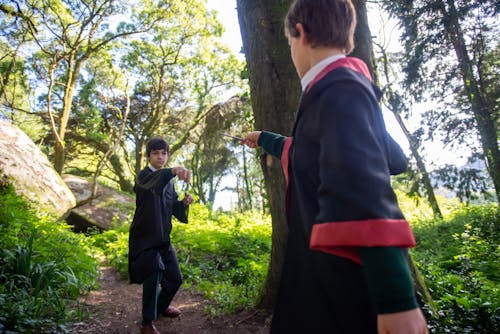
(363, 39)
(275, 91)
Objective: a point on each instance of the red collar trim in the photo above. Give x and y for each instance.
(352, 63)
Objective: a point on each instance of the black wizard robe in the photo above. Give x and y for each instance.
(345, 260)
(156, 203)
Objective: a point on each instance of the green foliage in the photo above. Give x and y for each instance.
(44, 267)
(225, 256)
(416, 209)
(459, 258)
(114, 245)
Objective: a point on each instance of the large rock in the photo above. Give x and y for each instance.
(27, 168)
(107, 210)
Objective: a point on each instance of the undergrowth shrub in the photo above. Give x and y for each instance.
(224, 256)
(44, 267)
(114, 246)
(459, 257)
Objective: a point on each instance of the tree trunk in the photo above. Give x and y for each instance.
(71, 79)
(139, 155)
(429, 190)
(59, 155)
(482, 114)
(125, 183)
(394, 103)
(363, 39)
(275, 91)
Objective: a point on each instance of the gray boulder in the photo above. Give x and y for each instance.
(27, 168)
(108, 209)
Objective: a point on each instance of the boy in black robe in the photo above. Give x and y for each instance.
(152, 260)
(345, 268)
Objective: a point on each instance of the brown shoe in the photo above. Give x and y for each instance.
(149, 329)
(171, 312)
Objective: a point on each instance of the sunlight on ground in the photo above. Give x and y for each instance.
(188, 305)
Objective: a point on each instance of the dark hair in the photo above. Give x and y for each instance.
(156, 143)
(328, 23)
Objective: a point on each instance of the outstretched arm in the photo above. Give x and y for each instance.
(272, 143)
(252, 139)
(182, 173)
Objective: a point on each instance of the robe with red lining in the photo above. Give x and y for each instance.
(339, 198)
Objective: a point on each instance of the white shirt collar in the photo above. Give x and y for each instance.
(316, 69)
(152, 168)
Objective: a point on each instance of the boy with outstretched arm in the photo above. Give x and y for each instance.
(152, 259)
(346, 263)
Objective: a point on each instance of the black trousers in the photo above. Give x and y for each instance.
(169, 280)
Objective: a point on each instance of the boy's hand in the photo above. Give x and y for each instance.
(251, 140)
(407, 322)
(188, 199)
(182, 173)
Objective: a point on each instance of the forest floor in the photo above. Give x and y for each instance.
(116, 309)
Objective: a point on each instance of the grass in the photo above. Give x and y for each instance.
(44, 266)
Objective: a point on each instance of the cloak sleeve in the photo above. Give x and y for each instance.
(396, 158)
(272, 143)
(278, 146)
(155, 181)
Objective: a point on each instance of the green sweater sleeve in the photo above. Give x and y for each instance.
(389, 278)
(272, 143)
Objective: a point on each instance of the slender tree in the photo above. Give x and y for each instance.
(447, 45)
(398, 105)
(213, 157)
(14, 86)
(67, 34)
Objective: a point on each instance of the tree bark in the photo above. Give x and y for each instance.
(482, 114)
(275, 91)
(117, 165)
(363, 39)
(394, 104)
(72, 75)
(426, 180)
(140, 145)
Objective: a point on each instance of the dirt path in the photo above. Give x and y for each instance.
(116, 308)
